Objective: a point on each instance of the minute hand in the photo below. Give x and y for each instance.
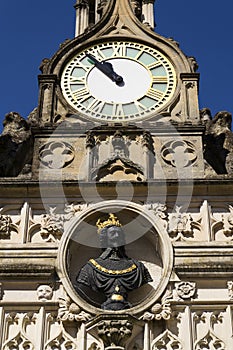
(106, 68)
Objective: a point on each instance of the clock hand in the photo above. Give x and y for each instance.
(106, 68)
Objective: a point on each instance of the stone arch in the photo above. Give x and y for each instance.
(118, 169)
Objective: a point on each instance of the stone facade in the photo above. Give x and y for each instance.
(169, 180)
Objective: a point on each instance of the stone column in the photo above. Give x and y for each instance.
(189, 97)
(47, 98)
(90, 144)
(148, 12)
(82, 16)
(146, 144)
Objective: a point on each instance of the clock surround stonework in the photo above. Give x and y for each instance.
(164, 169)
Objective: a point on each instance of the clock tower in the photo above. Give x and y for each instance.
(116, 222)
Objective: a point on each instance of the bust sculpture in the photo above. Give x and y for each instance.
(113, 273)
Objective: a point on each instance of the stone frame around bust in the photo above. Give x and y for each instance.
(153, 247)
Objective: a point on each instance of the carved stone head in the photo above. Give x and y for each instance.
(44, 292)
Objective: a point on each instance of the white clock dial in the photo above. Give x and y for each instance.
(102, 88)
(149, 81)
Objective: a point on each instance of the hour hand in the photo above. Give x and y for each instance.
(106, 68)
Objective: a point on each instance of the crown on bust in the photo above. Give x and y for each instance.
(112, 221)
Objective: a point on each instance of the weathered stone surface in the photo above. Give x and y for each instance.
(218, 141)
(15, 145)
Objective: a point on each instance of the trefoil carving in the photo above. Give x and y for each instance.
(167, 341)
(62, 342)
(210, 341)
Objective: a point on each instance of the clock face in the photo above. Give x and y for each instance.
(118, 81)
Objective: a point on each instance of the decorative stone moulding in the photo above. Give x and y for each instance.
(146, 240)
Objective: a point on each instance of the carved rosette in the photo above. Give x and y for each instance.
(185, 290)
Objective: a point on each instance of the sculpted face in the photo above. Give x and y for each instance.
(44, 292)
(115, 237)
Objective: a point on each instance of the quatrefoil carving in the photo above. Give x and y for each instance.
(56, 155)
(179, 153)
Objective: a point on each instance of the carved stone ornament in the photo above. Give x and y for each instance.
(185, 290)
(114, 330)
(179, 153)
(118, 168)
(180, 225)
(20, 338)
(160, 310)
(44, 292)
(5, 226)
(56, 155)
(230, 289)
(69, 311)
(1, 291)
(228, 223)
(52, 224)
(168, 341)
(159, 210)
(210, 341)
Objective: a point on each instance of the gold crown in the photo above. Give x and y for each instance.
(112, 221)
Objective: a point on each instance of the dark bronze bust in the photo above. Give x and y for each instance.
(113, 273)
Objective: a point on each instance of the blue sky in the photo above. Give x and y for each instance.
(33, 30)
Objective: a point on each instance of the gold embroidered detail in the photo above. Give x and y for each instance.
(112, 272)
(117, 297)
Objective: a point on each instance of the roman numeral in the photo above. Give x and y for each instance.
(154, 65)
(140, 52)
(96, 106)
(81, 94)
(159, 79)
(97, 53)
(154, 94)
(77, 80)
(119, 49)
(118, 110)
(81, 65)
(140, 107)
